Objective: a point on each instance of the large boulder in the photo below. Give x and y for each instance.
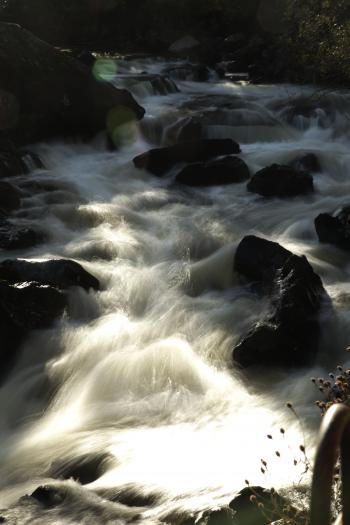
(228, 170)
(334, 229)
(56, 95)
(281, 181)
(158, 161)
(289, 334)
(24, 307)
(59, 273)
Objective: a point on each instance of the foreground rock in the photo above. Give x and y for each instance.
(228, 170)
(334, 229)
(158, 161)
(25, 307)
(281, 181)
(32, 297)
(56, 95)
(60, 273)
(289, 334)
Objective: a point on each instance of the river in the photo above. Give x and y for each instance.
(142, 370)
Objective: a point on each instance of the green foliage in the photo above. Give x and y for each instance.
(319, 39)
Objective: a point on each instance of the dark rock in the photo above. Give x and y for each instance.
(308, 163)
(247, 511)
(57, 95)
(14, 237)
(334, 229)
(85, 469)
(10, 197)
(158, 161)
(60, 273)
(25, 307)
(228, 170)
(191, 131)
(49, 496)
(259, 259)
(281, 181)
(11, 162)
(289, 334)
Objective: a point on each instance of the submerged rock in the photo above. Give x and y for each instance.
(85, 469)
(289, 334)
(281, 181)
(334, 229)
(228, 170)
(191, 130)
(49, 496)
(158, 161)
(60, 273)
(57, 95)
(308, 162)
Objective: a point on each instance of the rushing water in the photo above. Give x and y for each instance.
(142, 370)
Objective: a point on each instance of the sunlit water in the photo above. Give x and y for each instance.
(142, 369)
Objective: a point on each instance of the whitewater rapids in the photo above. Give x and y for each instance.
(142, 369)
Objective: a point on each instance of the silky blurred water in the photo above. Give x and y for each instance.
(142, 369)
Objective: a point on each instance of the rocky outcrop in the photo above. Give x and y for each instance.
(57, 96)
(334, 229)
(32, 296)
(228, 170)
(281, 181)
(59, 273)
(158, 161)
(289, 334)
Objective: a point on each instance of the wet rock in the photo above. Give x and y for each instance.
(308, 163)
(228, 170)
(258, 259)
(289, 334)
(334, 229)
(15, 237)
(281, 181)
(10, 197)
(247, 511)
(85, 469)
(158, 161)
(49, 496)
(25, 307)
(60, 273)
(60, 96)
